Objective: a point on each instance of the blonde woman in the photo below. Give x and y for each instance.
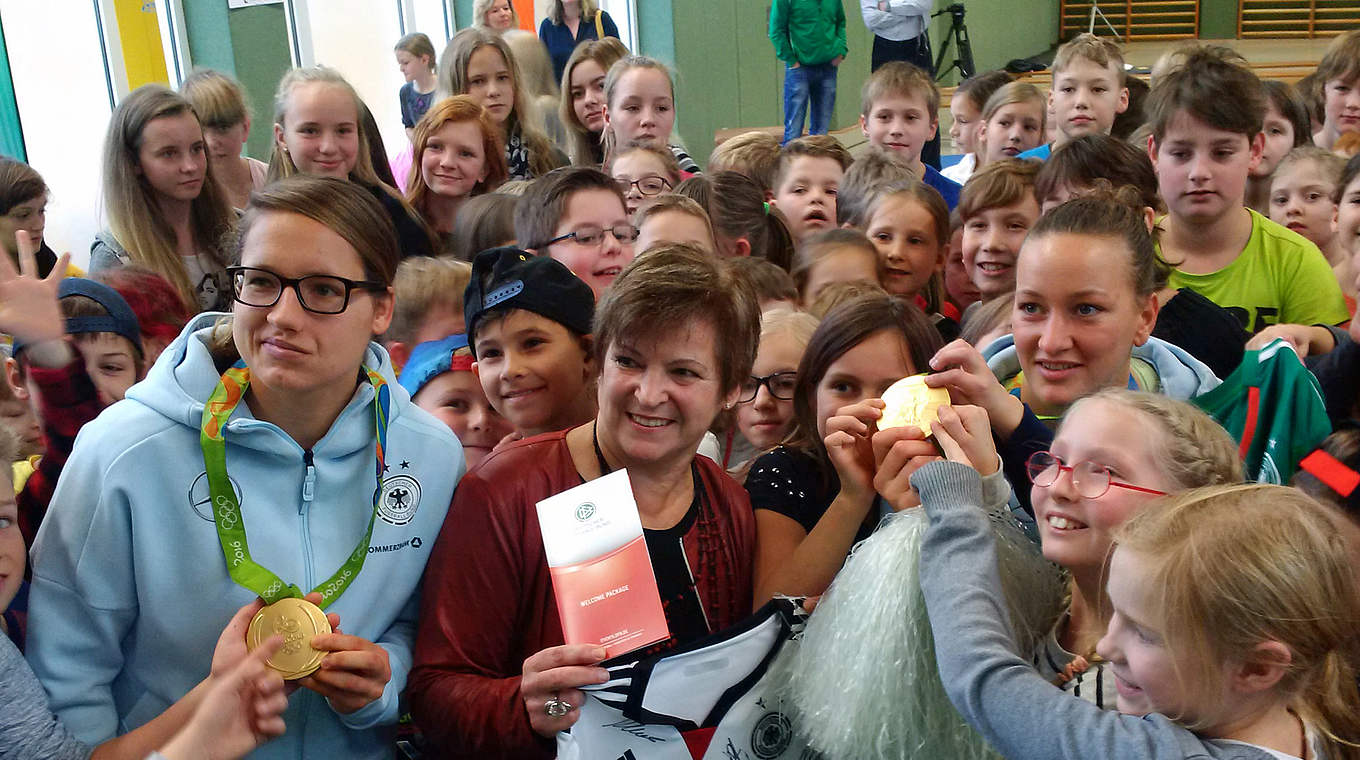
(317, 131)
(165, 209)
(569, 23)
(496, 15)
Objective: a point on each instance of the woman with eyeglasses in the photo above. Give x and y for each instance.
(675, 336)
(1087, 278)
(643, 172)
(274, 455)
(813, 495)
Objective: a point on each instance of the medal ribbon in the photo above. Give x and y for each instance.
(231, 532)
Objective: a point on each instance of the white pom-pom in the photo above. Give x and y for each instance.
(865, 681)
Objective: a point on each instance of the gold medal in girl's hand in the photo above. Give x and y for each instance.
(910, 402)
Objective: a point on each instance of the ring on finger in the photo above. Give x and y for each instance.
(556, 707)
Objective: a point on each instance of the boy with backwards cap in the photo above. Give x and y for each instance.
(529, 327)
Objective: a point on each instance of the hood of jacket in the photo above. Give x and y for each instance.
(185, 375)
(1181, 375)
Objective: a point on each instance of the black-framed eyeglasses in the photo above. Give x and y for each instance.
(780, 385)
(589, 236)
(650, 185)
(317, 293)
(1091, 480)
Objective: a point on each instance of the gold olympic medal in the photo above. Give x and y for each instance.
(910, 402)
(297, 621)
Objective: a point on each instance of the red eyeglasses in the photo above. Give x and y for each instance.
(1091, 480)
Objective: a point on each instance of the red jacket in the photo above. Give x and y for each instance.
(67, 399)
(488, 601)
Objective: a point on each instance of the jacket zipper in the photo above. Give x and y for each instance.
(304, 507)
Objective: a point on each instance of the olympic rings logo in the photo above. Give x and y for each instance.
(228, 517)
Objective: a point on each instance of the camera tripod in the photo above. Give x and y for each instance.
(1096, 11)
(958, 34)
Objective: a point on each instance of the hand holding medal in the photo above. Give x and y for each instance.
(902, 418)
(962, 432)
(909, 402)
(348, 670)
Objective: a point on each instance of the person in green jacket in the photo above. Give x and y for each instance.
(809, 37)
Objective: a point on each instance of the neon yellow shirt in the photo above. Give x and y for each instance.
(1279, 278)
(22, 469)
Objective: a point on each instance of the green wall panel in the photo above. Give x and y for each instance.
(656, 38)
(259, 36)
(731, 78)
(462, 13)
(1218, 19)
(209, 39)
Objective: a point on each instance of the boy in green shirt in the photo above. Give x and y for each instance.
(809, 37)
(1206, 118)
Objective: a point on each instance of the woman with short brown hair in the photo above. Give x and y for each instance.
(675, 337)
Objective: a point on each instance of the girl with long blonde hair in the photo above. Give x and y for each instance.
(582, 104)
(478, 63)
(165, 210)
(318, 130)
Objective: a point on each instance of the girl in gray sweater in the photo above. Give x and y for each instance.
(1233, 634)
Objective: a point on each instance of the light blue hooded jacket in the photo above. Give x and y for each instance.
(130, 589)
(1181, 375)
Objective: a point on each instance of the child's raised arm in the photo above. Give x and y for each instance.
(997, 691)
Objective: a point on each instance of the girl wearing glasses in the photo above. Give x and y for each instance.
(643, 172)
(126, 607)
(813, 496)
(765, 408)
(1232, 624)
(1085, 304)
(1087, 485)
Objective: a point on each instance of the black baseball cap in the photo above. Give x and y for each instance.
(120, 320)
(518, 279)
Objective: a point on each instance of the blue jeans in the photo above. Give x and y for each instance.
(815, 83)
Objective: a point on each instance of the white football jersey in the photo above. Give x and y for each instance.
(719, 698)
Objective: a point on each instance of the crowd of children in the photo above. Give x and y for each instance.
(1138, 299)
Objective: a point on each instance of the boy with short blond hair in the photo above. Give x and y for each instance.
(1206, 117)
(1088, 90)
(807, 178)
(429, 304)
(899, 111)
(754, 154)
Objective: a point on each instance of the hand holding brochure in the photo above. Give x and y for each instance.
(601, 572)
